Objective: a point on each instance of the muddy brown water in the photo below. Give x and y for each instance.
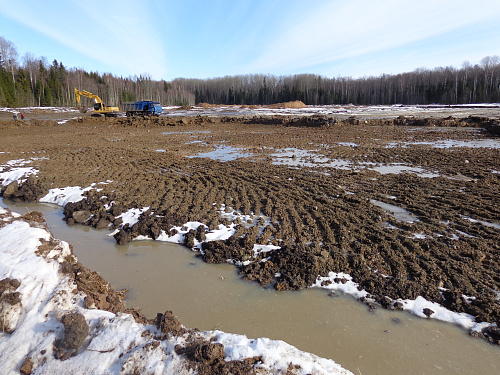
(163, 276)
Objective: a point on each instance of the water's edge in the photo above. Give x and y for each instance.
(164, 276)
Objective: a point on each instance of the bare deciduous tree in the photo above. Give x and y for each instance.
(8, 56)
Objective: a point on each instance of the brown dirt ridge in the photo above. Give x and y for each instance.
(324, 218)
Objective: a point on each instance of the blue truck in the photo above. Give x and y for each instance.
(142, 108)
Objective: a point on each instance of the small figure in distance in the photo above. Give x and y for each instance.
(15, 116)
(22, 116)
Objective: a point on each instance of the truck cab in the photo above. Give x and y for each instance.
(152, 108)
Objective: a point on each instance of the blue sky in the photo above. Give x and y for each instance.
(168, 39)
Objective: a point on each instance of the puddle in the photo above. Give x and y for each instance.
(444, 129)
(164, 276)
(399, 213)
(398, 168)
(189, 132)
(310, 159)
(450, 143)
(224, 153)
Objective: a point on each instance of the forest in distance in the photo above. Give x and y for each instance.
(30, 81)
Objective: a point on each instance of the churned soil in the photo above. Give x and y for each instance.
(325, 218)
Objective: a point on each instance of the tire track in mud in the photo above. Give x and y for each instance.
(323, 222)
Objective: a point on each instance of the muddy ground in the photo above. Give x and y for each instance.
(323, 218)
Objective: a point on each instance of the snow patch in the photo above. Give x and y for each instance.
(341, 282)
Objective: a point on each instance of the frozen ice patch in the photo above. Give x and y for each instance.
(418, 236)
(485, 223)
(399, 213)
(63, 196)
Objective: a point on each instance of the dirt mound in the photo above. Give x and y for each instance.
(76, 331)
(10, 304)
(207, 358)
(295, 104)
(491, 127)
(167, 323)
(30, 190)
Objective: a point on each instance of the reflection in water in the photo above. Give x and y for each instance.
(398, 212)
(169, 277)
(223, 153)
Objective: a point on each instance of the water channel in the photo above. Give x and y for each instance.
(162, 276)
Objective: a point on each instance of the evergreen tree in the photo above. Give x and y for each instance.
(7, 94)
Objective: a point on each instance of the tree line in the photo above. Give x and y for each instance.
(32, 81)
(470, 84)
(35, 82)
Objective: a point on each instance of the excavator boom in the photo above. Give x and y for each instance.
(99, 108)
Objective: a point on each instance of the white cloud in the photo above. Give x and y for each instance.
(328, 37)
(118, 34)
(341, 30)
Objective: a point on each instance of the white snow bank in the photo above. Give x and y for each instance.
(132, 216)
(65, 121)
(45, 109)
(343, 284)
(18, 174)
(221, 233)
(439, 312)
(63, 196)
(116, 344)
(16, 171)
(275, 354)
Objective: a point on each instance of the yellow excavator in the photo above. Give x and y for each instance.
(99, 108)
